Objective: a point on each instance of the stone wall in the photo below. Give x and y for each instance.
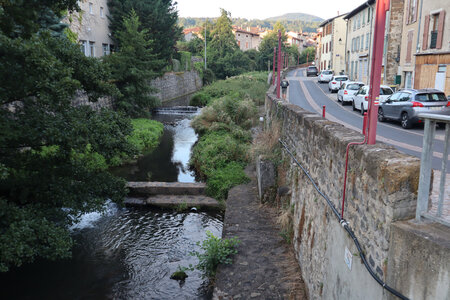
(82, 99)
(175, 88)
(381, 188)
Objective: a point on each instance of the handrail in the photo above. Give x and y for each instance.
(423, 193)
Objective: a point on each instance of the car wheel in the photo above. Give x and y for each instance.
(381, 117)
(362, 109)
(353, 105)
(342, 102)
(406, 122)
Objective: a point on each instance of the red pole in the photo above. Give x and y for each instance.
(307, 57)
(298, 59)
(279, 64)
(364, 124)
(273, 65)
(375, 76)
(323, 111)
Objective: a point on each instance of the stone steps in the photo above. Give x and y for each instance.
(173, 201)
(166, 188)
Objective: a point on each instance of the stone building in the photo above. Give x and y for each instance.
(410, 32)
(432, 63)
(91, 25)
(359, 41)
(296, 39)
(393, 41)
(332, 44)
(246, 40)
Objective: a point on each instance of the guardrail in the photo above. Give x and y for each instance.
(423, 195)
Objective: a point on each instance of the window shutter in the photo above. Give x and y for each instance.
(408, 6)
(440, 30)
(409, 47)
(415, 13)
(426, 27)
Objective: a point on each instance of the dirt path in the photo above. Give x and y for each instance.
(265, 266)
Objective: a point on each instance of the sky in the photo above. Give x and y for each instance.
(262, 9)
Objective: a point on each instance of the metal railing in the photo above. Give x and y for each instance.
(423, 195)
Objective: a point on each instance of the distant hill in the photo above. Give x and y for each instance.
(296, 16)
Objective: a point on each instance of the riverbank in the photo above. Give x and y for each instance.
(265, 266)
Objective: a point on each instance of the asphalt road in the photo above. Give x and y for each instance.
(307, 93)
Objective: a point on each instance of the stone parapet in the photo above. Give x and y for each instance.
(381, 188)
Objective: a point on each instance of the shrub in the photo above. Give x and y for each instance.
(224, 179)
(146, 134)
(215, 251)
(200, 99)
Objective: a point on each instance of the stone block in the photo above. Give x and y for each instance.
(266, 174)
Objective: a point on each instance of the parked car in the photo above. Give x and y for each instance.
(335, 83)
(325, 76)
(311, 71)
(405, 105)
(347, 90)
(360, 99)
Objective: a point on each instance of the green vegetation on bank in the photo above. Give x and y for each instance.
(224, 126)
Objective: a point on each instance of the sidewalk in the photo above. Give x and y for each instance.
(265, 266)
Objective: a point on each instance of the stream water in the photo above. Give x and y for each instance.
(128, 253)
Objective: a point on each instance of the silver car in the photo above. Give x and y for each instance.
(405, 105)
(347, 90)
(325, 76)
(336, 82)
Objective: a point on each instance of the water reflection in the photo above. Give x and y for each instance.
(129, 255)
(169, 161)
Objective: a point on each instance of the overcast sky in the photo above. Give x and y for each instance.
(261, 9)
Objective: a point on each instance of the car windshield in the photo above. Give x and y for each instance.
(341, 78)
(353, 86)
(431, 97)
(385, 91)
(312, 68)
(327, 72)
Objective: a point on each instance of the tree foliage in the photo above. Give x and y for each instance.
(133, 66)
(158, 17)
(267, 45)
(53, 156)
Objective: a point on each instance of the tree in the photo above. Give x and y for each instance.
(133, 66)
(53, 156)
(269, 42)
(158, 17)
(307, 55)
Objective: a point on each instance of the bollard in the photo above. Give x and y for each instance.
(364, 123)
(323, 111)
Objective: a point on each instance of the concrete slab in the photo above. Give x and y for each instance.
(166, 188)
(173, 201)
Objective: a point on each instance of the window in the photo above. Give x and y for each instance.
(362, 42)
(83, 47)
(91, 49)
(91, 8)
(357, 44)
(434, 30)
(106, 50)
(408, 80)
(367, 41)
(359, 21)
(412, 12)
(442, 68)
(363, 18)
(246, 45)
(351, 70)
(330, 46)
(101, 12)
(354, 25)
(356, 69)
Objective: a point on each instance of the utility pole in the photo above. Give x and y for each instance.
(279, 64)
(307, 57)
(375, 76)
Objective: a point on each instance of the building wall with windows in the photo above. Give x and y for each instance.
(92, 27)
(360, 24)
(246, 40)
(332, 44)
(410, 33)
(432, 68)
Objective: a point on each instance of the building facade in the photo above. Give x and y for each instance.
(91, 25)
(432, 63)
(359, 41)
(410, 34)
(246, 40)
(332, 44)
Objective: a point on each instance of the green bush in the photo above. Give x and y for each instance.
(200, 99)
(146, 134)
(215, 150)
(215, 251)
(185, 60)
(222, 180)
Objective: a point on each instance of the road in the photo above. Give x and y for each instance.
(307, 93)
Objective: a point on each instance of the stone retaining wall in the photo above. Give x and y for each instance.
(381, 188)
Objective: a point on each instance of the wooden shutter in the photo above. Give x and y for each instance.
(426, 27)
(415, 13)
(409, 46)
(440, 30)
(408, 7)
